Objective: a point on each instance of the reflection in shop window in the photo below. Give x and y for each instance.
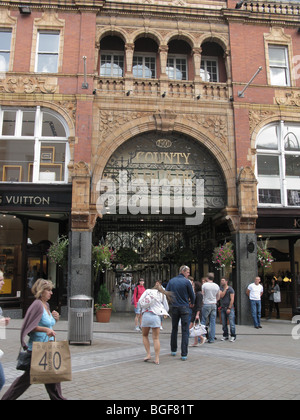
(33, 146)
(278, 164)
(11, 235)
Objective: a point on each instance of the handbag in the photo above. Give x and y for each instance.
(277, 297)
(197, 330)
(50, 362)
(23, 360)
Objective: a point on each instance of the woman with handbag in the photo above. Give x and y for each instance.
(154, 305)
(197, 314)
(274, 298)
(3, 323)
(38, 325)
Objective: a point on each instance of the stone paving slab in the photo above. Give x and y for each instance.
(261, 364)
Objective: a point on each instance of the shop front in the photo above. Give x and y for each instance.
(280, 228)
(31, 218)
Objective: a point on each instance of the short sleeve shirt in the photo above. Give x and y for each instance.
(255, 291)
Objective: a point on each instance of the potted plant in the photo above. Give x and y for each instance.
(103, 306)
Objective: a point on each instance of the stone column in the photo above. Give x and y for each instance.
(242, 223)
(246, 271)
(82, 223)
(80, 270)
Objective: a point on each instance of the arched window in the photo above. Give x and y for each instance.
(33, 146)
(278, 164)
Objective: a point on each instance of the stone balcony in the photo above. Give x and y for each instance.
(155, 88)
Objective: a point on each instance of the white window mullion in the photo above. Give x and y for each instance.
(36, 163)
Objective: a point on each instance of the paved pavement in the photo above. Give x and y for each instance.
(261, 364)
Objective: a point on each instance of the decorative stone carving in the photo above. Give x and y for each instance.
(291, 98)
(214, 124)
(28, 84)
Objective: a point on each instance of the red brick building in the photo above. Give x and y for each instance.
(90, 89)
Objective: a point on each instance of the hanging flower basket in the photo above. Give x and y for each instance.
(223, 256)
(264, 256)
(102, 258)
(58, 251)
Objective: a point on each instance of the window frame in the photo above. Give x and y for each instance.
(176, 57)
(286, 68)
(7, 30)
(43, 53)
(282, 182)
(205, 59)
(144, 56)
(112, 54)
(38, 140)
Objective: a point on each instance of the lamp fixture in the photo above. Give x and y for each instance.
(164, 95)
(198, 97)
(128, 92)
(239, 4)
(25, 10)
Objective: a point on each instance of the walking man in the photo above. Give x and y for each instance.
(183, 296)
(211, 294)
(255, 292)
(227, 309)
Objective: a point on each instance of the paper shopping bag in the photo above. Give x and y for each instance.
(50, 362)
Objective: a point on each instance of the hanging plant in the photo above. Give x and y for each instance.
(102, 258)
(223, 255)
(264, 256)
(58, 251)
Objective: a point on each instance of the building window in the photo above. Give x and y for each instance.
(279, 68)
(47, 52)
(177, 68)
(144, 67)
(209, 70)
(112, 65)
(33, 146)
(278, 164)
(5, 46)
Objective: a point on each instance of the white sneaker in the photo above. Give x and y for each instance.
(137, 328)
(232, 339)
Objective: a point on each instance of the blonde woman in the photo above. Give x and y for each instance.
(152, 318)
(38, 325)
(3, 323)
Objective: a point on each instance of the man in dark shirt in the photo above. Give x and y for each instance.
(183, 295)
(227, 309)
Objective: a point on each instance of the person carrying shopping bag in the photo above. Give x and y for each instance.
(38, 325)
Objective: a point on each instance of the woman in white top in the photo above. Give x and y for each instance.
(156, 307)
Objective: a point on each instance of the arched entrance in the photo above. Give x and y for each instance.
(158, 195)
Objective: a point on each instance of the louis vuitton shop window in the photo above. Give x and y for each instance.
(33, 146)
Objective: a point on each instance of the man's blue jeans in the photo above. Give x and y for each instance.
(209, 313)
(256, 311)
(180, 312)
(225, 317)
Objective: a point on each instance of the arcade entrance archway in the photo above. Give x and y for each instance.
(157, 212)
